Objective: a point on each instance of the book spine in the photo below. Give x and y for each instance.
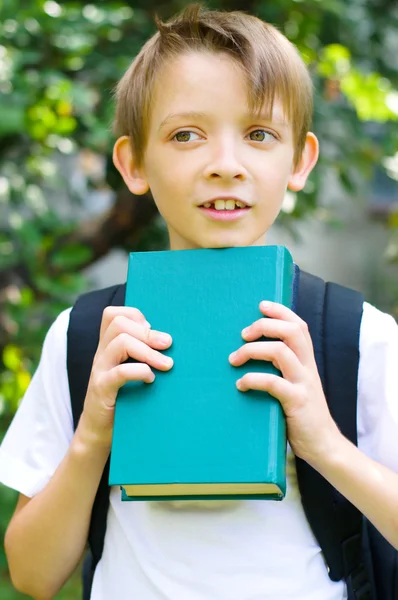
(277, 442)
(284, 277)
(280, 269)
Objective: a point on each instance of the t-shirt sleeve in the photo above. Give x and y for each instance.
(377, 414)
(42, 429)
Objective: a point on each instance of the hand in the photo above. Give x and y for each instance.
(124, 334)
(310, 428)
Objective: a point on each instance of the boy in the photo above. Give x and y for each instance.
(213, 116)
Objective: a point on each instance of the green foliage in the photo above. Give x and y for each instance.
(59, 63)
(369, 93)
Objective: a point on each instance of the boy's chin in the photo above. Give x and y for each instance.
(234, 242)
(216, 240)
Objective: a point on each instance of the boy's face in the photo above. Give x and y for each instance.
(218, 151)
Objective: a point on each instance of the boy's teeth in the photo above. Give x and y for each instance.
(219, 204)
(224, 204)
(227, 204)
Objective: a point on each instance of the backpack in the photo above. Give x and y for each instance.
(353, 549)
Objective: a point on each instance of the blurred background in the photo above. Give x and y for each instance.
(66, 218)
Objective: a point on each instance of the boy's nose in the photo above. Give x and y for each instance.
(225, 164)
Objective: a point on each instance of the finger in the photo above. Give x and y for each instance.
(280, 355)
(291, 333)
(279, 388)
(122, 324)
(122, 374)
(110, 312)
(125, 346)
(279, 311)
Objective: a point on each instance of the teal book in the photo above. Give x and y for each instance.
(191, 434)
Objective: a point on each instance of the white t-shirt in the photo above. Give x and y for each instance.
(254, 550)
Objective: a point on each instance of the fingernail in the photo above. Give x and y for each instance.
(232, 356)
(163, 338)
(245, 331)
(167, 361)
(239, 384)
(265, 304)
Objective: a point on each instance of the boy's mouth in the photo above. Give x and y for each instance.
(225, 203)
(225, 209)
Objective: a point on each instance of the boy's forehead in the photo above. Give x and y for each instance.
(210, 88)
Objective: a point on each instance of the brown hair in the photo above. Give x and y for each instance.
(272, 65)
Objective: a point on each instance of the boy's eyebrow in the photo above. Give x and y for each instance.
(276, 119)
(192, 114)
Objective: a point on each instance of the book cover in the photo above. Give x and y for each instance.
(192, 434)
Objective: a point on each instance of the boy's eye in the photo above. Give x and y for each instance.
(183, 136)
(260, 135)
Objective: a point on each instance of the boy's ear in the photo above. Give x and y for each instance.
(307, 162)
(123, 160)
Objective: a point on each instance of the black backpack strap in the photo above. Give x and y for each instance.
(382, 558)
(83, 336)
(333, 314)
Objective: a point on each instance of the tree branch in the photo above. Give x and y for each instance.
(122, 225)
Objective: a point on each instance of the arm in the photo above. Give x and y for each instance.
(370, 486)
(48, 533)
(312, 433)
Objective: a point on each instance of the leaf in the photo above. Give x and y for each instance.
(346, 181)
(12, 117)
(369, 94)
(12, 357)
(23, 380)
(27, 297)
(393, 219)
(71, 256)
(335, 61)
